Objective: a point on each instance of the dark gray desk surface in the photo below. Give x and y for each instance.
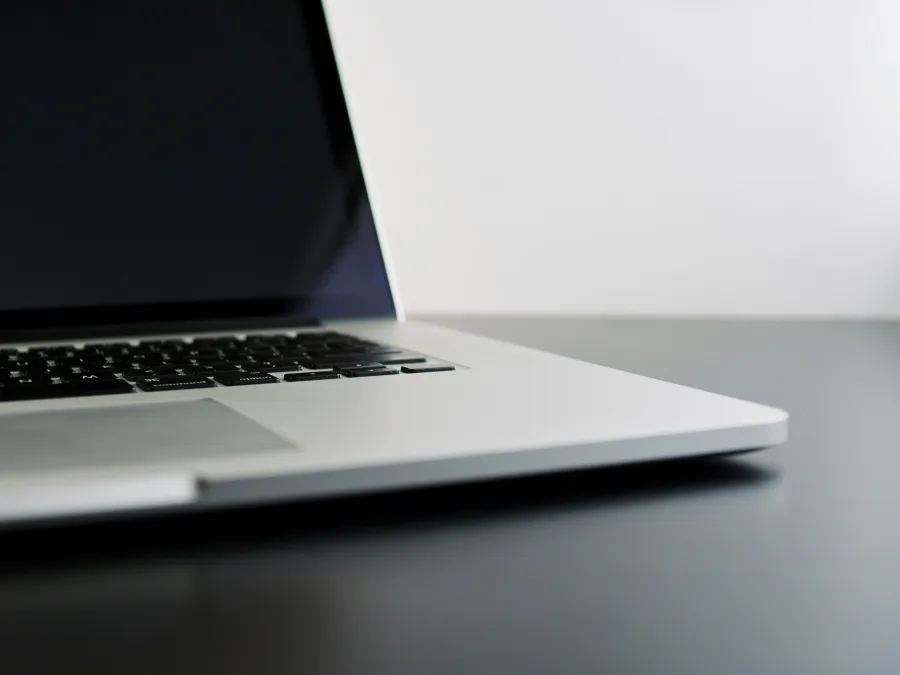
(786, 561)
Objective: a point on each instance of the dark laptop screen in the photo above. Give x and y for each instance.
(165, 154)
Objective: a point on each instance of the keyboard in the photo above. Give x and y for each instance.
(62, 371)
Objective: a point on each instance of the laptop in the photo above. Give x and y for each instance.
(197, 308)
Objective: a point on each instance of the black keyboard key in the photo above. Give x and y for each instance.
(140, 373)
(58, 371)
(148, 359)
(233, 354)
(249, 366)
(40, 353)
(318, 352)
(283, 361)
(197, 372)
(262, 354)
(16, 392)
(171, 355)
(30, 392)
(312, 365)
(8, 352)
(65, 362)
(108, 371)
(135, 372)
(207, 357)
(181, 365)
(111, 349)
(32, 371)
(279, 365)
(354, 365)
(268, 368)
(82, 378)
(105, 355)
(164, 369)
(29, 380)
(99, 361)
(89, 387)
(198, 368)
(170, 382)
(368, 372)
(401, 360)
(428, 368)
(30, 361)
(67, 350)
(201, 354)
(308, 377)
(143, 352)
(294, 353)
(236, 379)
(13, 392)
(217, 365)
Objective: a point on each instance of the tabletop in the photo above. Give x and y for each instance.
(781, 561)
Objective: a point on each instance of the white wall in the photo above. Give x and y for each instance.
(653, 156)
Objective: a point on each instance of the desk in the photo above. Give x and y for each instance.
(785, 561)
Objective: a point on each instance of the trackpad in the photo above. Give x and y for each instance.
(129, 435)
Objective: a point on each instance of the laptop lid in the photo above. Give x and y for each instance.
(174, 165)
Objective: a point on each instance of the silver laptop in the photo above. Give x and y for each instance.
(196, 307)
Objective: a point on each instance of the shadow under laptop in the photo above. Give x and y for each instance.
(600, 492)
(305, 587)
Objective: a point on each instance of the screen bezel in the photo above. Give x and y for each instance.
(169, 318)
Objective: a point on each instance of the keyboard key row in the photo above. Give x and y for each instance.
(133, 369)
(77, 357)
(44, 389)
(33, 388)
(176, 363)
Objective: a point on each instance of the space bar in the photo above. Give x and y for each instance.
(25, 392)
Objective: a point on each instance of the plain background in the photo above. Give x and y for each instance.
(648, 156)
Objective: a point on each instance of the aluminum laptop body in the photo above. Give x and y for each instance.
(197, 310)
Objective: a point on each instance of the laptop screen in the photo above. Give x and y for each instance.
(164, 158)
